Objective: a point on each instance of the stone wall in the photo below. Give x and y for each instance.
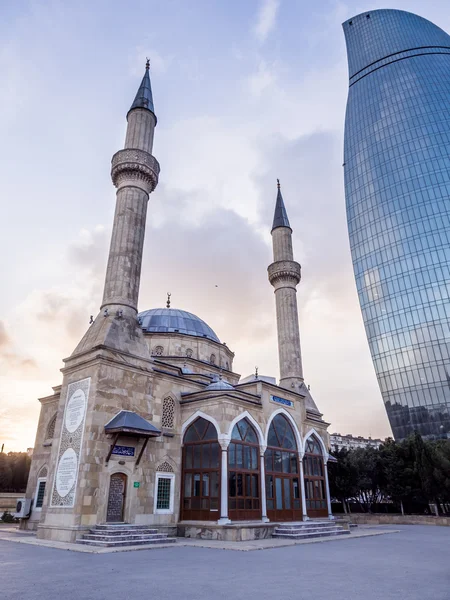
(40, 463)
(374, 519)
(8, 501)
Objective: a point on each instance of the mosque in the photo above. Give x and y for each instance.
(151, 425)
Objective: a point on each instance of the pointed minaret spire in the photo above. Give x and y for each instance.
(280, 218)
(284, 275)
(144, 96)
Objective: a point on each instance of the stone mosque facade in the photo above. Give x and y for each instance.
(151, 425)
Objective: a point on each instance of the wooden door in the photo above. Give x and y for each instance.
(116, 498)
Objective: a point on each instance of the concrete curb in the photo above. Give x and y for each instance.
(250, 546)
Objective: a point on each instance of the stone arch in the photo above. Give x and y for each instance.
(50, 433)
(246, 415)
(200, 413)
(168, 412)
(165, 467)
(312, 432)
(43, 472)
(289, 417)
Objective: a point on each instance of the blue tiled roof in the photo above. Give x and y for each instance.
(171, 320)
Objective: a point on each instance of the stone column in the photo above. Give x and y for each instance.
(264, 518)
(224, 520)
(327, 489)
(302, 489)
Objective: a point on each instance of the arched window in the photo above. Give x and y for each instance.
(282, 472)
(243, 473)
(313, 465)
(212, 359)
(168, 413)
(51, 428)
(201, 472)
(189, 352)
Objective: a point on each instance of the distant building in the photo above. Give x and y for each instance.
(351, 442)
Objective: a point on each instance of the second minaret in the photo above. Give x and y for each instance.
(284, 275)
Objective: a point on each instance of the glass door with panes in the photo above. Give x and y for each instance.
(282, 472)
(243, 473)
(313, 465)
(201, 473)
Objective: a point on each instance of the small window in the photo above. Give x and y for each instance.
(168, 413)
(159, 350)
(40, 492)
(212, 359)
(164, 493)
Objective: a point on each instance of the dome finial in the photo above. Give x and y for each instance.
(278, 184)
(168, 299)
(147, 64)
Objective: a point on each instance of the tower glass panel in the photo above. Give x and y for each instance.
(397, 188)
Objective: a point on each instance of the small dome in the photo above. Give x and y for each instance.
(171, 320)
(220, 385)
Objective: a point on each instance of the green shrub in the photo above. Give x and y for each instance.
(7, 517)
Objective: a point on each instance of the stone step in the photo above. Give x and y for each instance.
(118, 544)
(307, 530)
(128, 531)
(306, 524)
(120, 526)
(306, 536)
(123, 538)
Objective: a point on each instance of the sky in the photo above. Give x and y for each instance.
(245, 93)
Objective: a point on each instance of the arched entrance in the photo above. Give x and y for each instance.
(243, 473)
(201, 473)
(282, 472)
(116, 498)
(314, 467)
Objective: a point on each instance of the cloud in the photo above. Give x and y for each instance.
(12, 361)
(4, 337)
(266, 19)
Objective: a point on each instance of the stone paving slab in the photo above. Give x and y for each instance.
(13, 535)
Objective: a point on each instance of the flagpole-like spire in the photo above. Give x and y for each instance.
(280, 218)
(144, 95)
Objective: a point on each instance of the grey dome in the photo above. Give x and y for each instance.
(220, 385)
(171, 320)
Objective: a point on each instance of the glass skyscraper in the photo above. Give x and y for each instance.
(397, 188)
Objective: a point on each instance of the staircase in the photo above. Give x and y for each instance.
(307, 530)
(116, 536)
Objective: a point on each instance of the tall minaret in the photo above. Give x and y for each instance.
(284, 275)
(134, 172)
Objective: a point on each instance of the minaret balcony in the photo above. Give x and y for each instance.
(133, 164)
(284, 272)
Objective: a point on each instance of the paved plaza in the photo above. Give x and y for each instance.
(412, 564)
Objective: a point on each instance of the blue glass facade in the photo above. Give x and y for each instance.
(397, 188)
